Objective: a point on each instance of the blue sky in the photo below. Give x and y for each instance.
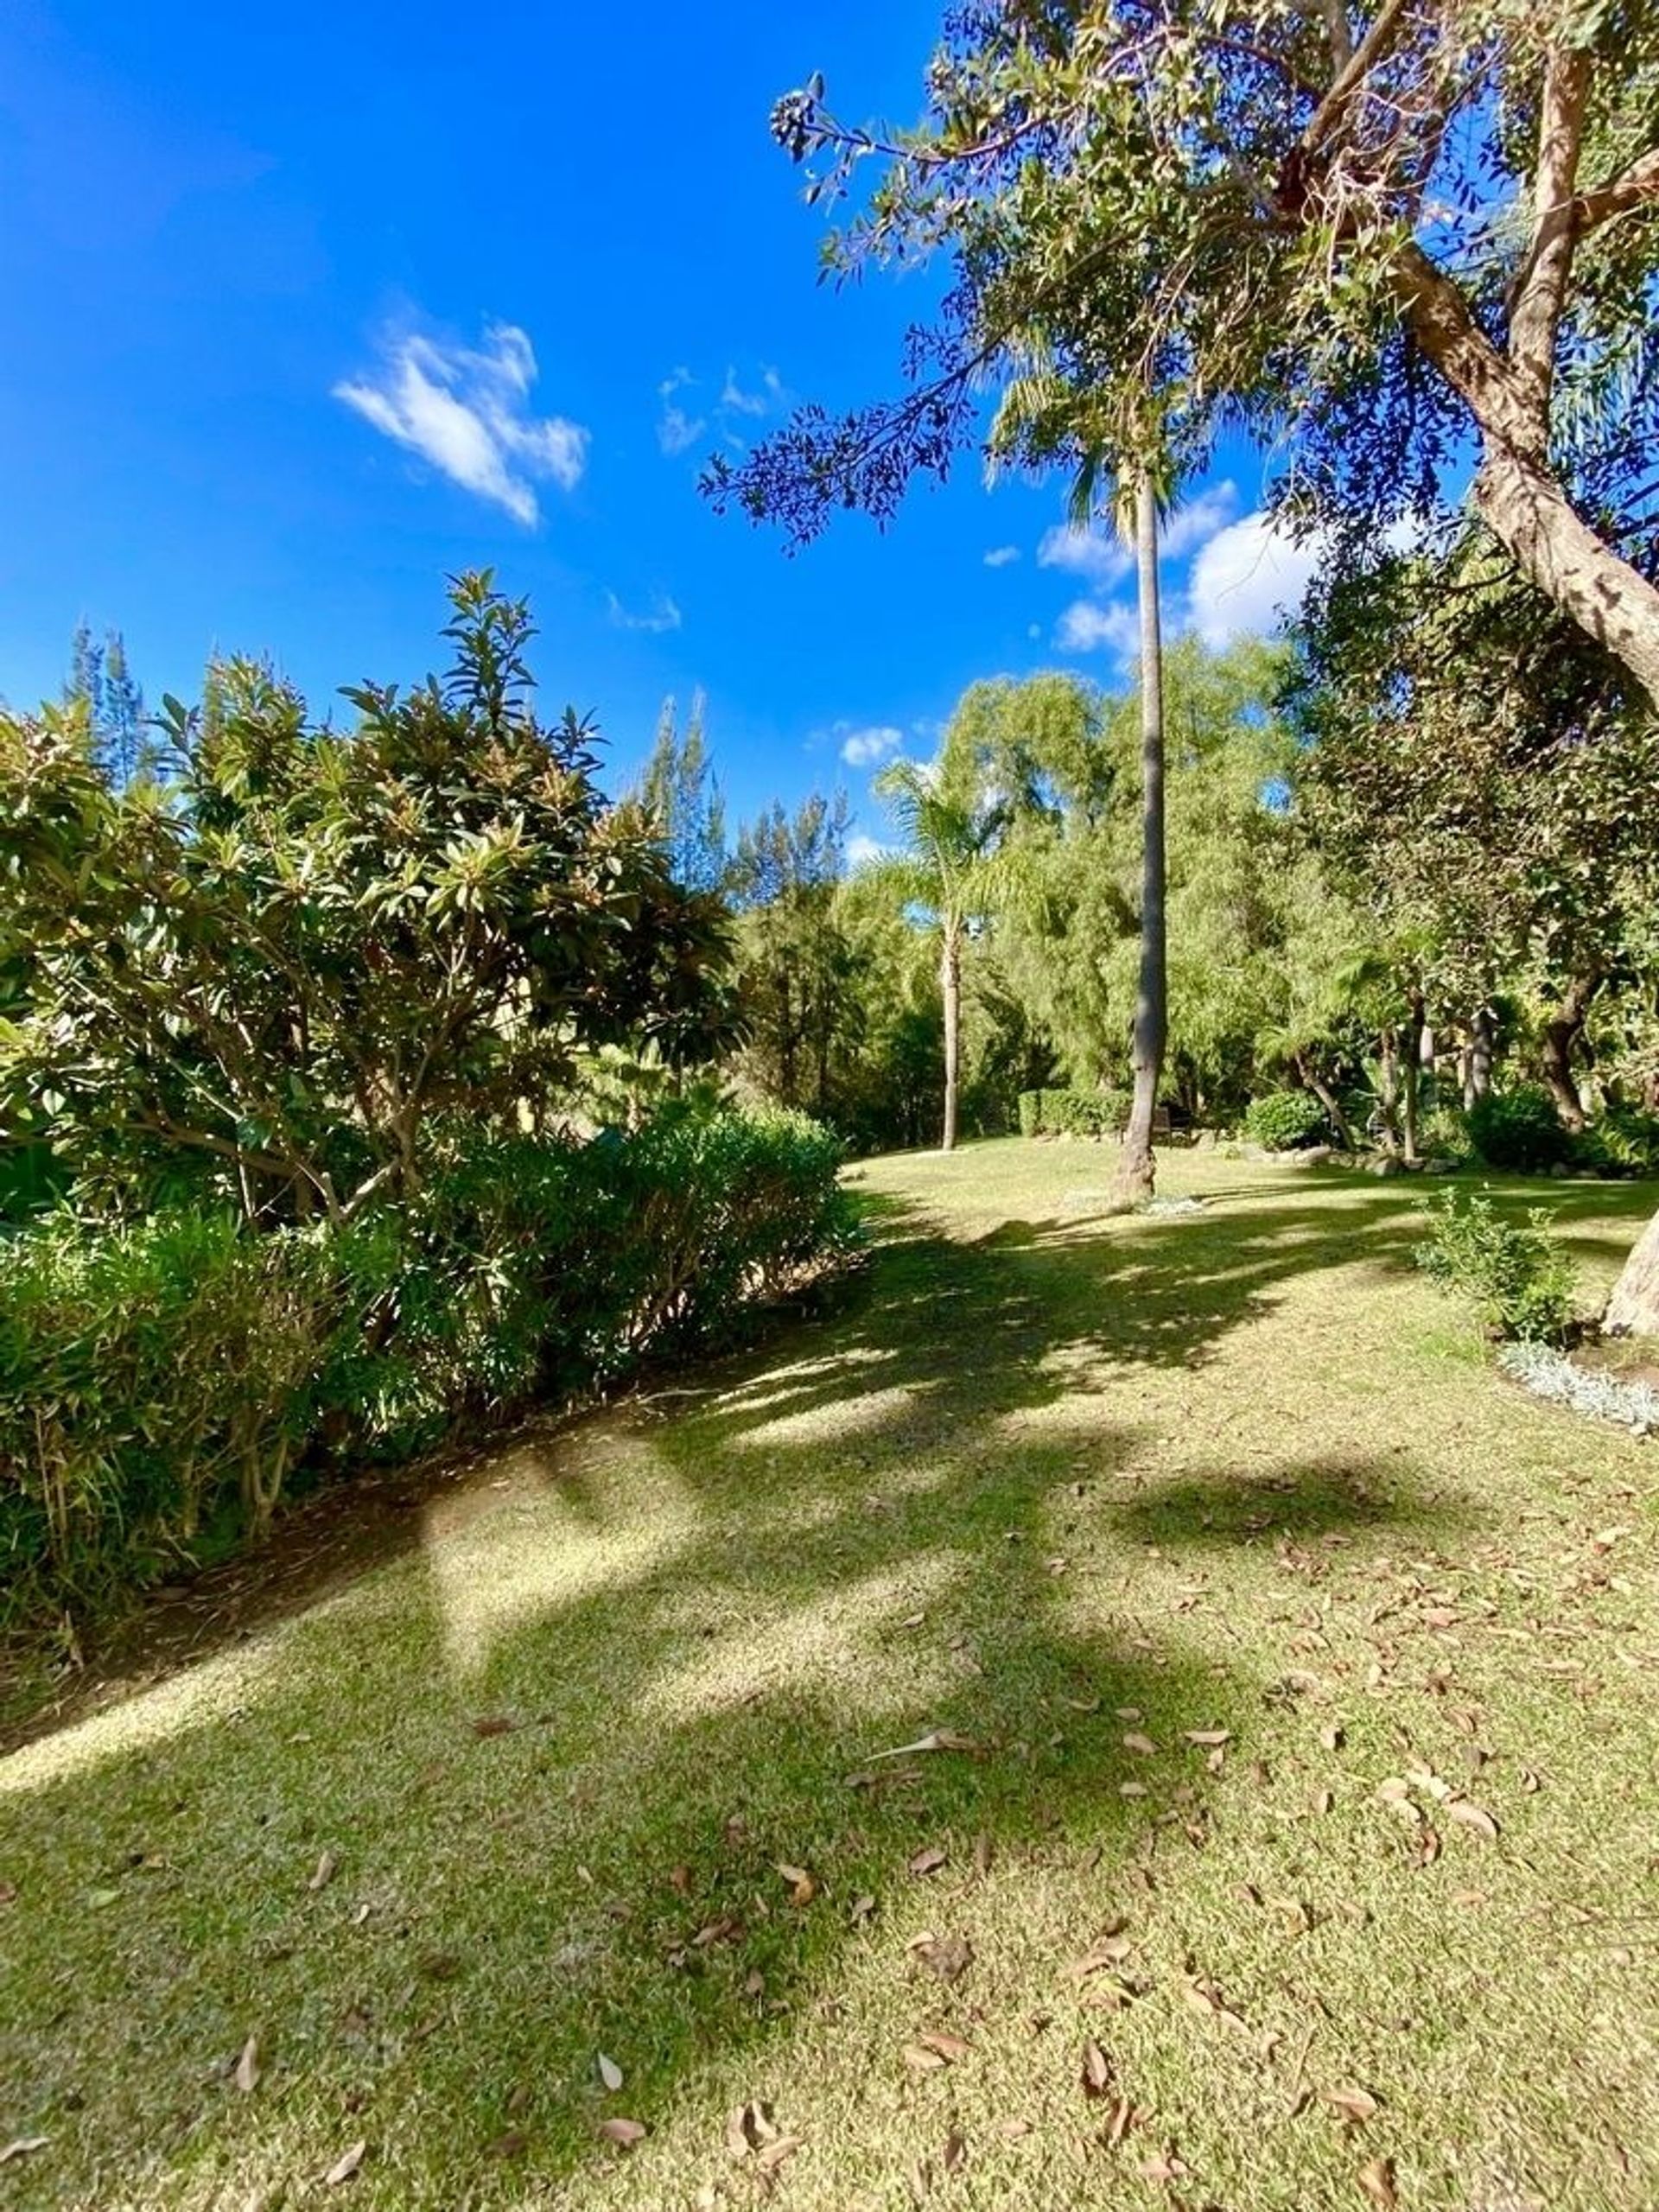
(305, 308)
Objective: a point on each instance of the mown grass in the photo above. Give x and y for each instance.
(1049, 1482)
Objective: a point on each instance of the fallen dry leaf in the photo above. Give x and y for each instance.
(323, 1872)
(772, 2155)
(23, 2146)
(246, 2076)
(610, 2072)
(948, 2046)
(1208, 1740)
(921, 2060)
(948, 1956)
(1013, 2129)
(803, 1886)
(1331, 1738)
(1165, 2166)
(1376, 2179)
(1355, 2104)
(1096, 2071)
(346, 2165)
(983, 1852)
(1143, 1744)
(1470, 1815)
(623, 2132)
(860, 1908)
(929, 1860)
(954, 2153)
(494, 1723)
(749, 2128)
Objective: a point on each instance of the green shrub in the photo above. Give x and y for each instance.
(1285, 1121)
(1624, 1142)
(158, 1381)
(1443, 1134)
(1031, 1112)
(151, 1375)
(1516, 1276)
(1088, 1113)
(1518, 1130)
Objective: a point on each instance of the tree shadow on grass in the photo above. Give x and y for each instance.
(558, 1755)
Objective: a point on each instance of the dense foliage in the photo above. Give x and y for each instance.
(162, 1378)
(1513, 1274)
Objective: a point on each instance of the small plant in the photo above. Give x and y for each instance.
(1443, 1134)
(1516, 1276)
(1624, 1142)
(1548, 1374)
(1286, 1121)
(1519, 1130)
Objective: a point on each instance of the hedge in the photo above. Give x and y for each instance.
(1073, 1113)
(161, 1380)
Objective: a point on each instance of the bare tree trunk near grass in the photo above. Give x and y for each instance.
(950, 990)
(1137, 1169)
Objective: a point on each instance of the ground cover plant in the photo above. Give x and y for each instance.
(1200, 1755)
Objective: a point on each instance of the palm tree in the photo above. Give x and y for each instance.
(952, 827)
(1137, 1167)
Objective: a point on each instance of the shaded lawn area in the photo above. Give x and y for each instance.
(1064, 1486)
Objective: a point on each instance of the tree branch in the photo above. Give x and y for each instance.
(1541, 286)
(1369, 51)
(1618, 195)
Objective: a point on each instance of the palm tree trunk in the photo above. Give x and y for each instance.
(1137, 1169)
(950, 989)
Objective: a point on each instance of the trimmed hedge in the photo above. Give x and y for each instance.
(1286, 1121)
(1073, 1113)
(160, 1381)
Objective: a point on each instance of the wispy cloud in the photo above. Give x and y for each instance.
(1097, 552)
(466, 409)
(863, 749)
(1200, 519)
(770, 395)
(1000, 556)
(725, 412)
(661, 614)
(677, 427)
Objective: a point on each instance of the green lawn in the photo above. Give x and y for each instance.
(1064, 1487)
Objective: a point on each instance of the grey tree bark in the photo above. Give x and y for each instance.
(1137, 1168)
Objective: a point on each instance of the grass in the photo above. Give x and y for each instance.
(1050, 1482)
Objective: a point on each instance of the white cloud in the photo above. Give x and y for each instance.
(1000, 556)
(860, 850)
(464, 410)
(661, 614)
(677, 427)
(1087, 627)
(1098, 554)
(1246, 578)
(1199, 518)
(770, 395)
(862, 748)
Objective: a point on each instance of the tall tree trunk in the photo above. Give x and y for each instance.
(1521, 505)
(1310, 1078)
(1477, 1073)
(1137, 1169)
(1561, 1033)
(1417, 1040)
(951, 990)
(1633, 1309)
(1387, 1089)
